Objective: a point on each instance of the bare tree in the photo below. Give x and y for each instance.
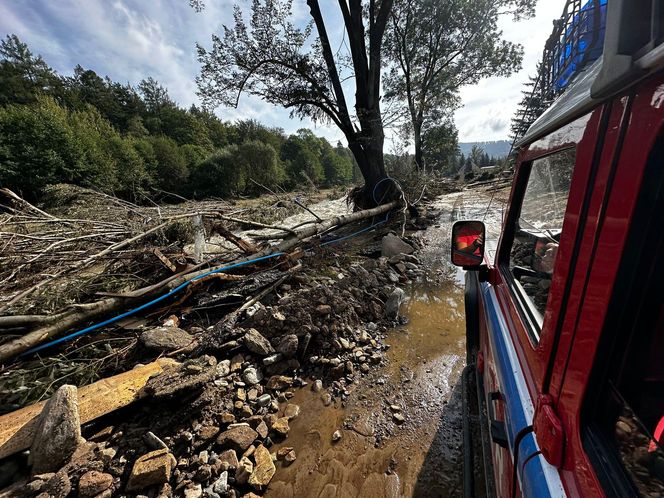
(271, 58)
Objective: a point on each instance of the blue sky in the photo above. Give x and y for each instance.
(129, 40)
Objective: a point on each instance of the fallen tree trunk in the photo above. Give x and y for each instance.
(17, 428)
(85, 313)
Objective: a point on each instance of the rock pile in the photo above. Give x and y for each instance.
(210, 428)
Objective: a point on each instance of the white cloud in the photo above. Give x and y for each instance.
(129, 40)
(494, 100)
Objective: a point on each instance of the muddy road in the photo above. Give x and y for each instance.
(400, 425)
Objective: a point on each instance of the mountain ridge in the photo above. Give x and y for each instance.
(496, 148)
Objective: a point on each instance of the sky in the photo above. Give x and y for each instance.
(129, 40)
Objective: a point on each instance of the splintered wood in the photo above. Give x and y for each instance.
(17, 428)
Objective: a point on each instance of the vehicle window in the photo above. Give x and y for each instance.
(535, 246)
(630, 410)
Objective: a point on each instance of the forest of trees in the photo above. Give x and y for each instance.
(135, 141)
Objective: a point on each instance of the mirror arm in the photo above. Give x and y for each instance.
(482, 271)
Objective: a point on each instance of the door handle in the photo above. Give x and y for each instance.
(497, 427)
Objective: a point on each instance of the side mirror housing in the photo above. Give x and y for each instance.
(468, 244)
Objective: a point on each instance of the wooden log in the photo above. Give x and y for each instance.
(92, 311)
(17, 428)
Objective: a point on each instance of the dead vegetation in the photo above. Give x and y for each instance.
(247, 324)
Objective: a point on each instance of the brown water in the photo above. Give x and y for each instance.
(377, 457)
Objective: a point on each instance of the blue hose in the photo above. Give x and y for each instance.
(146, 305)
(185, 284)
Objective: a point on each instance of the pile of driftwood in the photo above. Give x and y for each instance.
(45, 255)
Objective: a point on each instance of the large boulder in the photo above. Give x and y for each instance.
(257, 344)
(392, 245)
(58, 431)
(150, 469)
(393, 304)
(238, 438)
(165, 339)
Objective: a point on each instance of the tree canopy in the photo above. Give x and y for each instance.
(436, 47)
(268, 56)
(89, 130)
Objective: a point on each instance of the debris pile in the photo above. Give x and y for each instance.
(204, 422)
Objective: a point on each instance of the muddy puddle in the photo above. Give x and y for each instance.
(379, 455)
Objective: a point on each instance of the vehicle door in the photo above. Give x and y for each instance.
(523, 294)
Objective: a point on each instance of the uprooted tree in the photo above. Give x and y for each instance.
(271, 58)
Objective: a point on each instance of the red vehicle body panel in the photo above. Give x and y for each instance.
(613, 143)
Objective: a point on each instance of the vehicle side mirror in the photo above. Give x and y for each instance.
(468, 244)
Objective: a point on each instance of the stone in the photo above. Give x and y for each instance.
(153, 441)
(364, 368)
(220, 486)
(193, 491)
(281, 427)
(317, 386)
(279, 382)
(252, 376)
(393, 304)
(398, 418)
(257, 344)
(93, 482)
(236, 362)
(150, 469)
(244, 470)
(391, 245)
(288, 345)
(238, 438)
(290, 457)
(58, 486)
(324, 309)
(264, 469)
(226, 418)
(165, 339)
(229, 458)
(264, 400)
(272, 359)
(262, 429)
(209, 432)
(58, 431)
(291, 411)
(327, 399)
(223, 368)
(282, 452)
(338, 371)
(336, 436)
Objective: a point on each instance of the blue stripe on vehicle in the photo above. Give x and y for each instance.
(538, 478)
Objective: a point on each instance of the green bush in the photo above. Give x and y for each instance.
(259, 161)
(220, 175)
(171, 172)
(37, 147)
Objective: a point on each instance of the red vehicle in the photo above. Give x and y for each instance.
(566, 324)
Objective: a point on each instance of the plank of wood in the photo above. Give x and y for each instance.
(17, 428)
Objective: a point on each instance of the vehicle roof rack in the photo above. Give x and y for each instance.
(607, 45)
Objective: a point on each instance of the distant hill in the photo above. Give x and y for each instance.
(499, 148)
